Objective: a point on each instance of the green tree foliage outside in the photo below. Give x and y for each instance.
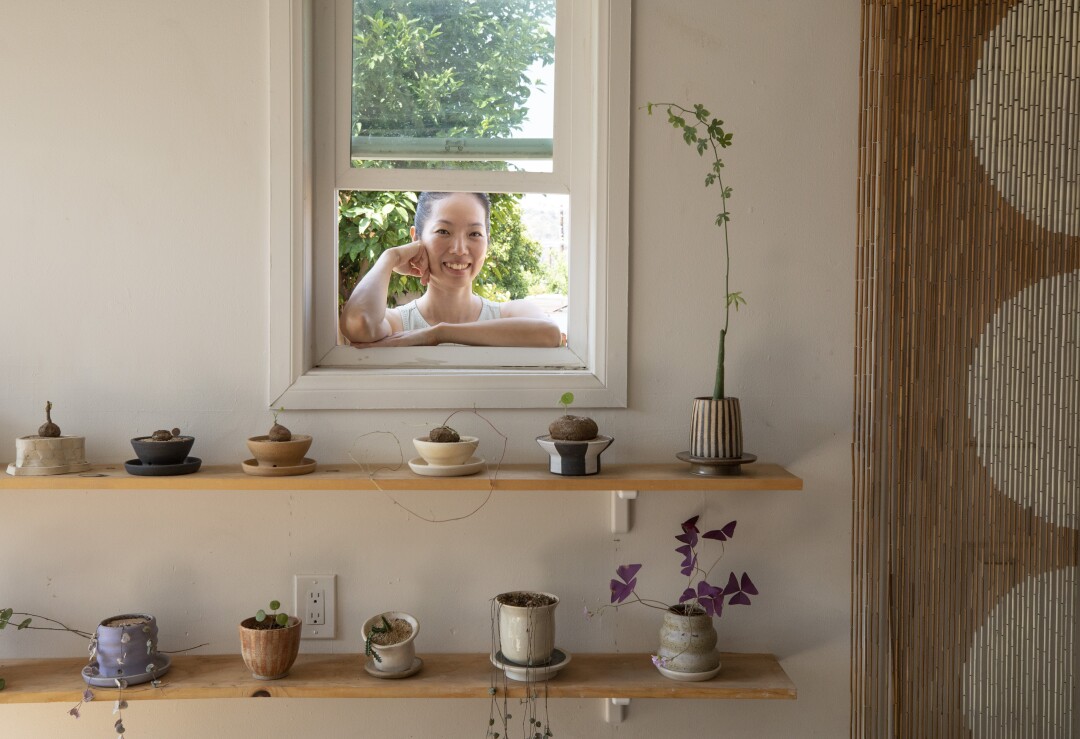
(420, 70)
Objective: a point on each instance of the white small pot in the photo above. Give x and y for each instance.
(393, 657)
(688, 643)
(527, 634)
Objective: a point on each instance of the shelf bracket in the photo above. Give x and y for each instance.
(620, 510)
(615, 709)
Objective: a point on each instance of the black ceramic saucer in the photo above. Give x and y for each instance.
(189, 465)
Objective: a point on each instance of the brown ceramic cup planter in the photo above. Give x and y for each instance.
(276, 458)
(269, 653)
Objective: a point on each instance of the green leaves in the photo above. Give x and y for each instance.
(736, 299)
(565, 400)
(282, 619)
(274, 605)
(260, 615)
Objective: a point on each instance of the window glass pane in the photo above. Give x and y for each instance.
(526, 259)
(460, 84)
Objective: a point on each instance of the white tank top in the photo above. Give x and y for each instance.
(412, 320)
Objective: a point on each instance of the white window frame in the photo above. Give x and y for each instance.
(309, 155)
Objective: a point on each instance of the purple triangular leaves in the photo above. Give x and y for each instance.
(739, 599)
(688, 594)
(722, 534)
(627, 572)
(747, 586)
(620, 591)
(690, 524)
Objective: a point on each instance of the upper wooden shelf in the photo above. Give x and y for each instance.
(348, 476)
(744, 676)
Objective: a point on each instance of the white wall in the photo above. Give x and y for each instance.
(133, 227)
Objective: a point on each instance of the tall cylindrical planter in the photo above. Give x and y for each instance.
(716, 428)
(269, 653)
(688, 643)
(527, 633)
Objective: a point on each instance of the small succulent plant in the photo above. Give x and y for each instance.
(383, 628)
(165, 435)
(274, 620)
(48, 429)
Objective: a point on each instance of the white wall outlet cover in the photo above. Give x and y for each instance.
(314, 601)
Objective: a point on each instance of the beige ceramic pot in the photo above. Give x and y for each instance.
(279, 453)
(526, 633)
(269, 653)
(688, 643)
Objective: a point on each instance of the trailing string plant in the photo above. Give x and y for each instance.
(534, 715)
(442, 432)
(707, 135)
(699, 596)
(6, 616)
(383, 628)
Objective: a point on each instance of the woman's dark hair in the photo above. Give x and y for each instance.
(424, 202)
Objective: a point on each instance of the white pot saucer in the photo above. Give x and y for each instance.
(252, 467)
(471, 467)
(689, 677)
(560, 658)
(371, 669)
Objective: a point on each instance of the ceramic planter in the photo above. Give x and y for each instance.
(125, 647)
(393, 658)
(526, 633)
(279, 453)
(269, 653)
(716, 428)
(688, 646)
(446, 453)
(41, 455)
(153, 453)
(574, 458)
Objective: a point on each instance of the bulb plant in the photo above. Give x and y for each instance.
(707, 135)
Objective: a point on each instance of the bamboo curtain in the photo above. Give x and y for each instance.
(966, 453)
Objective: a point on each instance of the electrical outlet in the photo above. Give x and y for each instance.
(314, 600)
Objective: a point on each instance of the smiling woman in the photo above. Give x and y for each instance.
(450, 244)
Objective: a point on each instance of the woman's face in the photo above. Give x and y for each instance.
(455, 237)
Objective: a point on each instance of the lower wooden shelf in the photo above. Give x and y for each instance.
(744, 676)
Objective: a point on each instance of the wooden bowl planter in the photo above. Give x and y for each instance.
(269, 653)
(125, 648)
(277, 458)
(396, 650)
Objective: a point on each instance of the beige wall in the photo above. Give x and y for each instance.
(133, 227)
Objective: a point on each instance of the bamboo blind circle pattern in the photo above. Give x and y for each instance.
(966, 454)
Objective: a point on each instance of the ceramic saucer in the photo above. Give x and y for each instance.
(162, 662)
(471, 467)
(689, 677)
(189, 465)
(63, 469)
(715, 466)
(414, 668)
(252, 467)
(559, 659)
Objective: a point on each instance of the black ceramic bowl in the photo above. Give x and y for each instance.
(174, 451)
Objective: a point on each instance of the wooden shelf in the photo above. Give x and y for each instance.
(744, 676)
(347, 476)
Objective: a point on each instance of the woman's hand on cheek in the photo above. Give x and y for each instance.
(417, 337)
(413, 261)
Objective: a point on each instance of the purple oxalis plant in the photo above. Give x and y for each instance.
(700, 595)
